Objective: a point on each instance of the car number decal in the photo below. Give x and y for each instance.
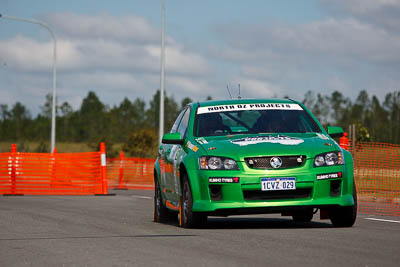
(283, 183)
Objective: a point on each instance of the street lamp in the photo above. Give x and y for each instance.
(162, 80)
(53, 109)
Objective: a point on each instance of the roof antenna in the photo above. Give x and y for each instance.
(239, 97)
(227, 88)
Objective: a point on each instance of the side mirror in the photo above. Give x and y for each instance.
(172, 138)
(335, 132)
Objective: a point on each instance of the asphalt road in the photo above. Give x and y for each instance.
(119, 231)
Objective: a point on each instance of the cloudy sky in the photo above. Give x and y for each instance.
(272, 48)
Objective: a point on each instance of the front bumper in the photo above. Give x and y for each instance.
(246, 197)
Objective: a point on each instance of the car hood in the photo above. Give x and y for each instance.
(240, 146)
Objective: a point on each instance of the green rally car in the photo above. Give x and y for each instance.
(235, 157)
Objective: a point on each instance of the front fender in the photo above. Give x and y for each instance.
(349, 168)
(157, 169)
(190, 165)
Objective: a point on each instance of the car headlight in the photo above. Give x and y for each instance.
(329, 159)
(217, 163)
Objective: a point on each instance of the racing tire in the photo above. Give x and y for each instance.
(161, 213)
(188, 218)
(345, 216)
(303, 216)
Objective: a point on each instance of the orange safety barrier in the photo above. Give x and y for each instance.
(53, 173)
(130, 173)
(377, 176)
(344, 141)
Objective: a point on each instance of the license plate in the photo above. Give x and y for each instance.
(283, 183)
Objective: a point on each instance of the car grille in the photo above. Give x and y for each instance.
(252, 195)
(265, 162)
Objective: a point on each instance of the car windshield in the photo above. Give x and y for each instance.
(214, 122)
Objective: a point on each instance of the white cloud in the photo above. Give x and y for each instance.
(253, 88)
(355, 47)
(73, 55)
(336, 53)
(196, 88)
(6, 96)
(335, 83)
(103, 80)
(361, 6)
(104, 26)
(178, 60)
(330, 38)
(111, 88)
(384, 13)
(113, 56)
(26, 54)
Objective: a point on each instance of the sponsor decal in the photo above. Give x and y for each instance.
(322, 136)
(329, 176)
(201, 141)
(278, 139)
(191, 146)
(229, 180)
(240, 107)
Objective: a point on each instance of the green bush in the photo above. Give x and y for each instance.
(94, 144)
(43, 147)
(362, 133)
(142, 143)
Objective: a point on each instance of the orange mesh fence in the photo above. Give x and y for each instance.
(51, 174)
(130, 173)
(377, 176)
(5, 173)
(376, 171)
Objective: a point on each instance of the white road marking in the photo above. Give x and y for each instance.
(144, 197)
(382, 220)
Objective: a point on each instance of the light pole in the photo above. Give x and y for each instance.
(162, 80)
(53, 108)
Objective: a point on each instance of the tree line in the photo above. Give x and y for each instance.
(375, 121)
(95, 121)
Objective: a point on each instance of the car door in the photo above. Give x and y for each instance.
(167, 155)
(178, 155)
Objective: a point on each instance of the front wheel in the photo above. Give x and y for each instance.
(188, 218)
(345, 216)
(160, 211)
